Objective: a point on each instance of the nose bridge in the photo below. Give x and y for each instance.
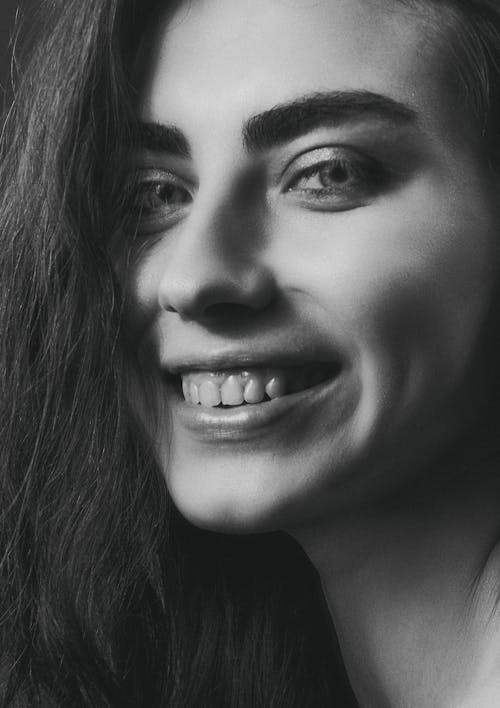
(216, 257)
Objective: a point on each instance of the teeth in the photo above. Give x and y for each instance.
(275, 387)
(210, 394)
(231, 391)
(233, 388)
(193, 393)
(254, 390)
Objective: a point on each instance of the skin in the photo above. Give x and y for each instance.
(393, 277)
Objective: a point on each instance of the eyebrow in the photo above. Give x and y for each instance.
(158, 137)
(286, 122)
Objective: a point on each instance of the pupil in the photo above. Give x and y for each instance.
(335, 173)
(171, 194)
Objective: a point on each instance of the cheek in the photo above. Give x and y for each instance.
(405, 285)
(139, 270)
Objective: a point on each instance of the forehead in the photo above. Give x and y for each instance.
(223, 60)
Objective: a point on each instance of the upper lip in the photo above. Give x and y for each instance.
(241, 359)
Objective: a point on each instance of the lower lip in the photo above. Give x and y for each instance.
(250, 421)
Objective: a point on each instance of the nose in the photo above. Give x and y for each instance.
(214, 266)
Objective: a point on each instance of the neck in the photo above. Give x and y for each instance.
(412, 590)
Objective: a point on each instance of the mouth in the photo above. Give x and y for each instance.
(226, 401)
(233, 387)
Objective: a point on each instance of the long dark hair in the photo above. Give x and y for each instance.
(107, 596)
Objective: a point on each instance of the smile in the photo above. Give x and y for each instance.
(299, 393)
(238, 387)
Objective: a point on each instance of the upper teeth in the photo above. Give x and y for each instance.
(233, 388)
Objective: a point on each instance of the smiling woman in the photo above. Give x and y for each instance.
(249, 307)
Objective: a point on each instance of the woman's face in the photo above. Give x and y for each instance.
(311, 222)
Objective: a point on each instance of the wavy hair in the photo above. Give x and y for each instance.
(107, 596)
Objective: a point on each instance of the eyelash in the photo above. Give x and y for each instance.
(359, 178)
(150, 218)
(151, 188)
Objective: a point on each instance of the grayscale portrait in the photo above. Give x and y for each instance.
(249, 340)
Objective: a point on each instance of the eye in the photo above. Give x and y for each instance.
(153, 195)
(329, 175)
(334, 178)
(156, 199)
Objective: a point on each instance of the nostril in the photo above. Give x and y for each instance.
(228, 311)
(217, 296)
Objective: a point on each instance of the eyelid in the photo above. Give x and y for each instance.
(329, 149)
(149, 168)
(154, 174)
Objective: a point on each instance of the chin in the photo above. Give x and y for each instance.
(228, 498)
(223, 514)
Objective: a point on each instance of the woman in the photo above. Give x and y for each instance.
(250, 250)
